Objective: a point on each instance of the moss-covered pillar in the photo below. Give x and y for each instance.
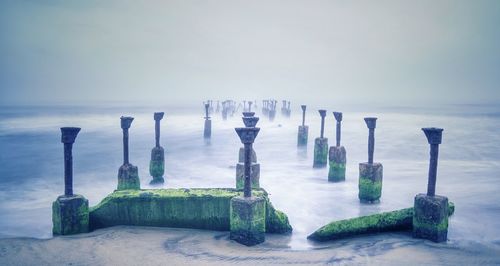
(321, 145)
(430, 218)
(240, 166)
(207, 131)
(70, 212)
(157, 163)
(247, 218)
(128, 174)
(337, 155)
(303, 130)
(370, 173)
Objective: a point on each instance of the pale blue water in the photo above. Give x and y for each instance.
(31, 162)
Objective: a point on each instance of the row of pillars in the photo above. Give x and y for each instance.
(431, 211)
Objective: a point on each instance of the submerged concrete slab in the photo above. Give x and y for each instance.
(201, 208)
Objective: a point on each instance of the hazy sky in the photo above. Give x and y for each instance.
(390, 52)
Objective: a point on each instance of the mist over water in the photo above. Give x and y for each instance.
(31, 162)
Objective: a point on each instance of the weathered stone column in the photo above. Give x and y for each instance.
(128, 175)
(247, 216)
(430, 216)
(321, 145)
(370, 173)
(207, 132)
(303, 129)
(337, 155)
(272, 111)
(70, 212)
(283, 108)
(157, 163)
(250, 121)
(224, 110)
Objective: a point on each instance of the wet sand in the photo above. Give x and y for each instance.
(125, 245)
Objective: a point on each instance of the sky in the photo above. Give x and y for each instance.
(179, 52)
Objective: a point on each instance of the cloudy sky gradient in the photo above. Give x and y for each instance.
(390, 52)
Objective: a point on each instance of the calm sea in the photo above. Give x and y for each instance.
(31, 162)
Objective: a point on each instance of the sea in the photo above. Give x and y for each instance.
(32, 173)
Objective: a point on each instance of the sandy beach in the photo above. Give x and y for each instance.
(125, 245)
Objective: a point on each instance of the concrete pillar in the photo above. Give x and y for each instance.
(370, 173)
(128, 174)
(337, 155)
(303, 131)
(207, 131)
(321, 145)
(157, 163)
(430, 216)
(70, 212)
(247, 216)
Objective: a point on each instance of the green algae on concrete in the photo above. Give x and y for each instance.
(302, 135)
(70, 215)
(370, 182)
(320, 152)
(247, 220)
(157, 165)
(430, 219)
(337, 160)
(276, 221)
(128, 177)
(184, 208)
(399, 220)
(369, 190)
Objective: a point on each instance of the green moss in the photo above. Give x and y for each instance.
(387, 221)
(248, 220)
(128, 177)
(277, 221)
(336, 172)
(369, 190)
(186, 208)
(320, 152)
(156, 168)
(70, 215)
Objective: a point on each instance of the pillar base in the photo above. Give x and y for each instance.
(241, 155)
(207, 132)
(320, 152)
(302, 135)
(430, 217)
(254, 175)
(370, 182)
(337, 159)
(157, 165)
(272, 115)
(70, 215)
(248, 220)
(128, 177)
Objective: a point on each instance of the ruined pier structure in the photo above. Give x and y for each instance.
(70, 212)
(157, 163)
(321, 145)
(250, 121)
(337, 155)
(430, 218)
(248, 213)
(370, 173)
(303, 132)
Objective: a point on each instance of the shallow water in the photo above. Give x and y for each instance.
(31, 163)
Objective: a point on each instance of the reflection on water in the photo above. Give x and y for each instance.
(31, 163)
